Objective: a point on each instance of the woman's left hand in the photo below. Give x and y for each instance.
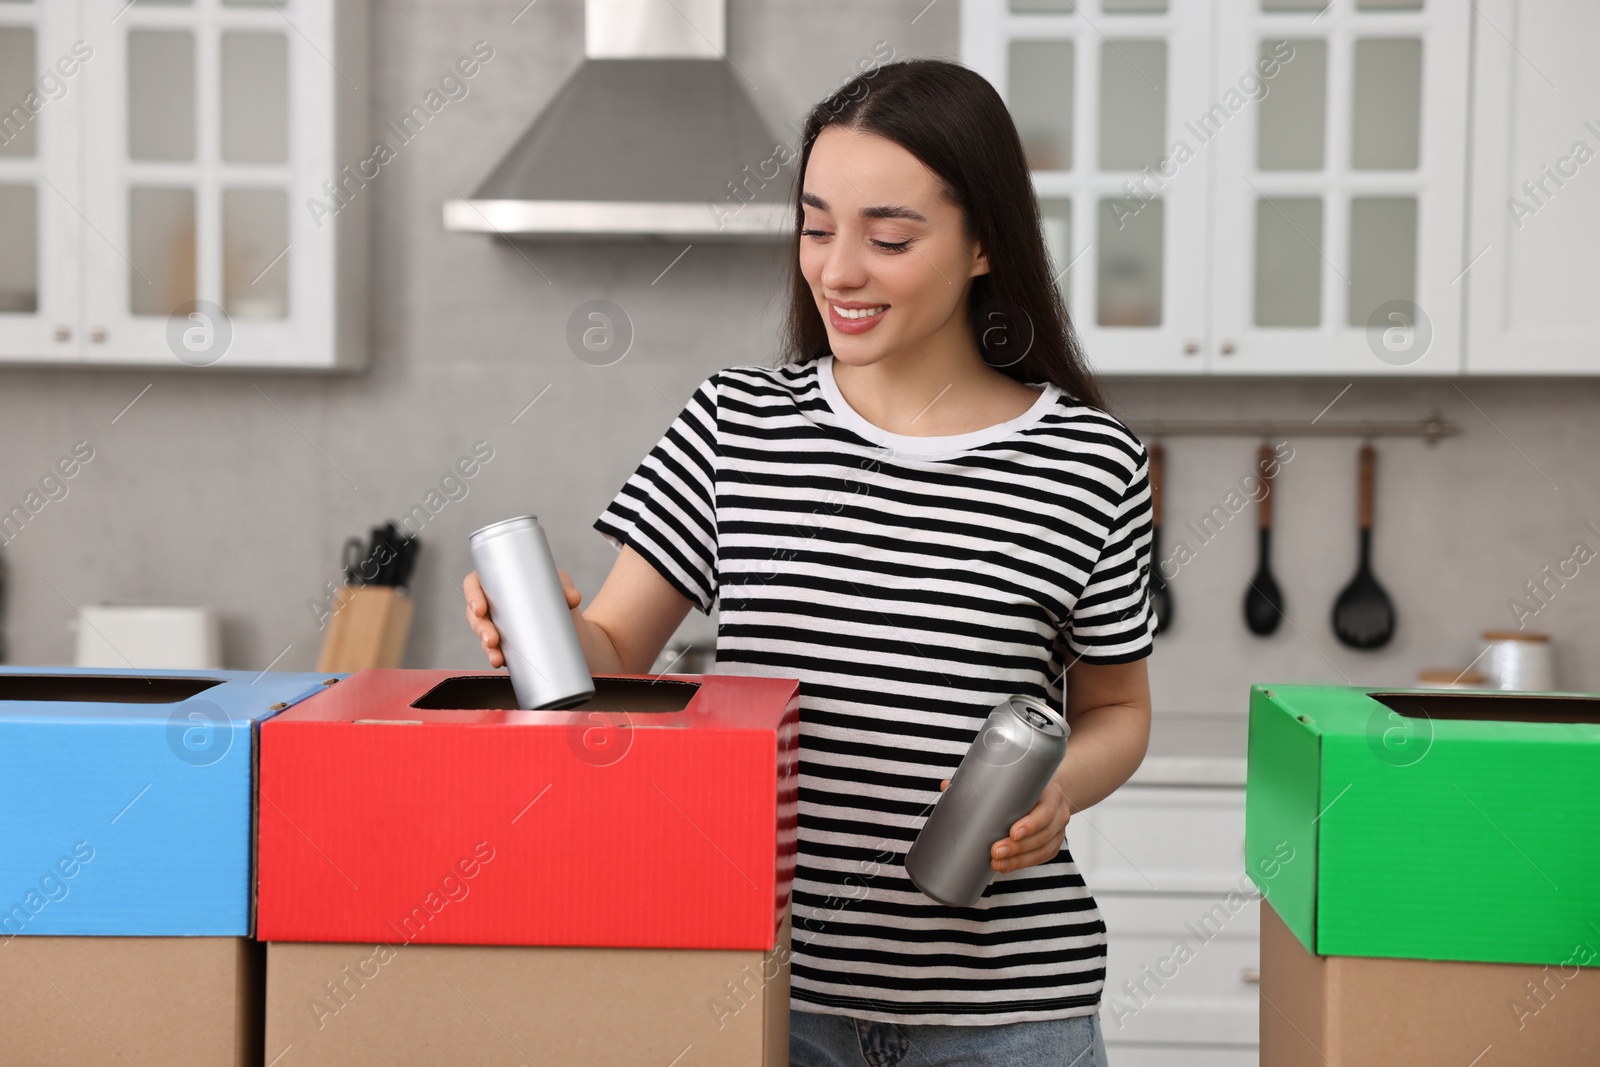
(1037, 836)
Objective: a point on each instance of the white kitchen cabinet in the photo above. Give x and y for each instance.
(1535, 213)
(1097, 102)
(1338, 207)
(1302, 189)
(42, 96)
(1121, 1055)
(1182, 969)
(1149, 839)
(181, 172)
(1166, 866)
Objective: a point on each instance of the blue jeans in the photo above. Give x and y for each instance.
(818, 1040)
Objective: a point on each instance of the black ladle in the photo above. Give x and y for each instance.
(1263, 602)
(1363, 616)
(1160, 595)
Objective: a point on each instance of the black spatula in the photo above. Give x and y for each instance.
(1363, 616)
(1263, 602)
(1160, 595)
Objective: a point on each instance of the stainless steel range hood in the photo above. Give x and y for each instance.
(654, 136)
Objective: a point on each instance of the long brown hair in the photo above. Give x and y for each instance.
(952, 119)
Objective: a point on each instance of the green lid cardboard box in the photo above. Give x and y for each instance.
(1444, 898)
(1442, 825)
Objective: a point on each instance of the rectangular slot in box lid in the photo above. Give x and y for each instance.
(493, 692)
(109, 689)
(659, 815)
(1425, 824)
(125, 798)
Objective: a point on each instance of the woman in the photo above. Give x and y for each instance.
(924, 509)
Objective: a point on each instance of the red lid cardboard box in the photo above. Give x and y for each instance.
(423, 807)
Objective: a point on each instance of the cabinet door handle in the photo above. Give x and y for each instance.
(62, 333)
(97, 334)
(1226, 348)
(1251, 975)
(1190, 347)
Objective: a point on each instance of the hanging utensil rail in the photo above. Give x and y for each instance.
(1431, 428)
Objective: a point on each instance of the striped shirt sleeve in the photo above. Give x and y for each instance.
(1112, 622)
(667, 509)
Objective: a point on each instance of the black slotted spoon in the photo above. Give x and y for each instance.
(1160, 595)
(1363, 616)
(1263, 601)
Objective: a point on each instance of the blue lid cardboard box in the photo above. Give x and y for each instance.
(126, 863)
(126, 798)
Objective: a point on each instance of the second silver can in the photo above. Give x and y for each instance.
(526, 604)
(998, 781)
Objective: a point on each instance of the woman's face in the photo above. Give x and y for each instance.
(879, 235)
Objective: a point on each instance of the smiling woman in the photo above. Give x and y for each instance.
(923, 510)
(1000, 547)
(950, 240)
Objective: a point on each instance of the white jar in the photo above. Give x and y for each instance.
(1518, 660)
(1450, 678)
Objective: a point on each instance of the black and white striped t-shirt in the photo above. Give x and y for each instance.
(910, 584)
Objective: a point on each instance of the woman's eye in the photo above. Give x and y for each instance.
(884, 245)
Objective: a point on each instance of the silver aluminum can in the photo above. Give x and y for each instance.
(526, 604)
(999, 780)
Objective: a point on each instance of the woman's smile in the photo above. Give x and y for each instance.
(848, 319)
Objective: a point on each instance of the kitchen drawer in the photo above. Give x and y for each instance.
(1150, 839)
(1176, 1056)
(1194, 966)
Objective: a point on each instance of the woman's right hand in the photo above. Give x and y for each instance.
(478, 619)
(478, 613)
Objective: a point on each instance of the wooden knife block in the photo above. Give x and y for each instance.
(368, 628)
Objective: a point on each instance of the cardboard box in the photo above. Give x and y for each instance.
(125, 798)
(1321, 1010)
(422, 806)
(353, 1005)
(1435, 825)
(112, 1001)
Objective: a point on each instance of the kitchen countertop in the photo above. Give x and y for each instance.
(1206, 750)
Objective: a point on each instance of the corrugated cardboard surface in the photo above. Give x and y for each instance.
(361, 1005)
(1430, 837)
(125, 799)
(1358, 1010)
(385, 821)
(112, 1001)
(1281, 804)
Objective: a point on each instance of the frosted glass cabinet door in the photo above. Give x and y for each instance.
(210, 125)
(1340, 184)
(40, 95)
(1099, 90)
(1535, 217)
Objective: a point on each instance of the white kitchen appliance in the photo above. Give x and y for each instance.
(149, 637)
